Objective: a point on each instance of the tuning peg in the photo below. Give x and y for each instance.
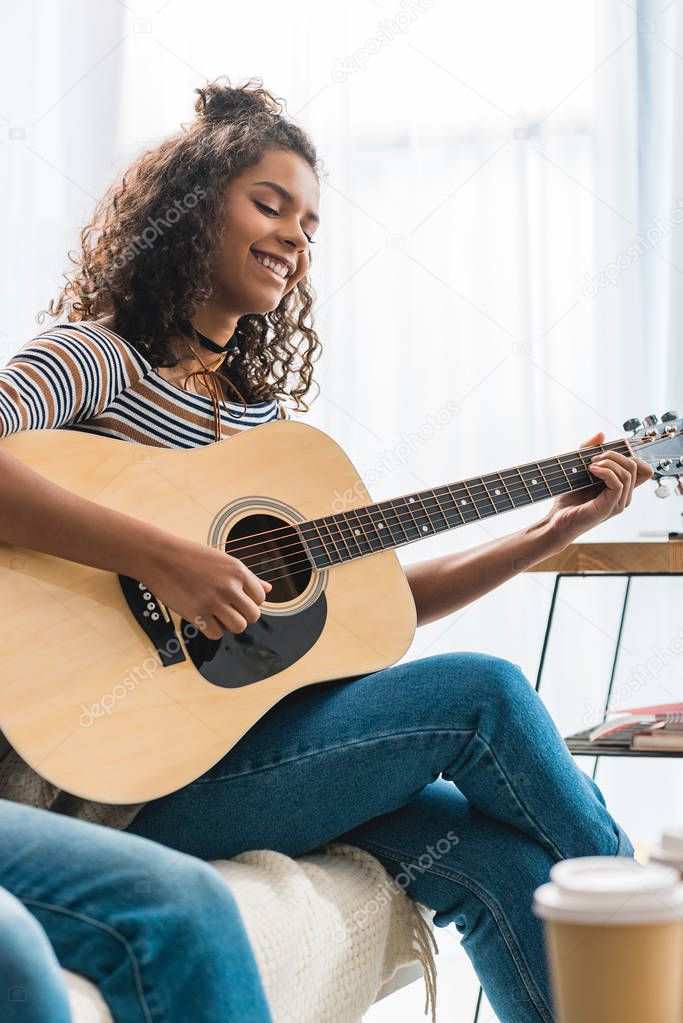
(633, 424)
(650, 420)
(669, 417)
(662, 490)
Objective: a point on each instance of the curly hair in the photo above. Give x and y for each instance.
(150, 292)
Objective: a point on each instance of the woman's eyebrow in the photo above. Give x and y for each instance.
(287, 195)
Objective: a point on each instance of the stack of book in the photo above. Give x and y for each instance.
(638, 729)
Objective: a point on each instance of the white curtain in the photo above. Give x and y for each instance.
(487, 169)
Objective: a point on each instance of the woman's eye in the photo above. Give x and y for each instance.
(270, 210)
(264, 207)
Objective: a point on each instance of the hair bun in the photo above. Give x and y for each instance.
(219, 102)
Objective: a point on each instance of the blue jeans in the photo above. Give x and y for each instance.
(158, 931)
(32, 989)
(448, 769)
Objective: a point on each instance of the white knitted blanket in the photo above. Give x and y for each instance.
(327, 930)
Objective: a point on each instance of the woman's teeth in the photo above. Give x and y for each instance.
(278, 269)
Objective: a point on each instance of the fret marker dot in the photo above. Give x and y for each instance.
(357, 532)
(411, 499)
(534, 481)
(425, 529)
(463, 501)
(381, 525)
(574, 469)
(496, 491)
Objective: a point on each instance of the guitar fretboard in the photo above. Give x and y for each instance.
(333, 539)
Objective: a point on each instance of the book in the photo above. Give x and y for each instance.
(618, 744)
(638, 718)
(661, 737)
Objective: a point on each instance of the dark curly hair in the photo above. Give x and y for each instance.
(150, 292)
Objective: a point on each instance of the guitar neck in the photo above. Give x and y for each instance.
(333, 539)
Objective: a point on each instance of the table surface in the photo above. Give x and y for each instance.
(661, 558)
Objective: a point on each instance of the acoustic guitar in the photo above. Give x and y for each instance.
(111, 696)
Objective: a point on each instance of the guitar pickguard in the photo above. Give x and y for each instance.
(265, 648)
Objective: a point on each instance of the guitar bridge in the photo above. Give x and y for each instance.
(154, 620)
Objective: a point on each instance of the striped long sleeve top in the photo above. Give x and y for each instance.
(83, 376)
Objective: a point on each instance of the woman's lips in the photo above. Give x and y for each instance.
(271, 273)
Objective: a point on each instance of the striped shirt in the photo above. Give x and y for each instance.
(83, 376)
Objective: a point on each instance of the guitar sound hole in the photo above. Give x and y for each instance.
(271, 548)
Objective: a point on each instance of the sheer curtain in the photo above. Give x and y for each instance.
(486, 171)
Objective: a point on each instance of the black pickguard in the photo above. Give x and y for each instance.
(270, 645)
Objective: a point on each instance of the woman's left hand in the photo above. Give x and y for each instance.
(574, 513)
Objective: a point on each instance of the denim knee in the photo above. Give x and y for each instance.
(483, 683)
(29, 970)
(184, 902)
(22, 939)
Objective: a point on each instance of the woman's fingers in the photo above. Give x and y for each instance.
(625, 468)
(617, 480)
(257, 589)
(227, 620)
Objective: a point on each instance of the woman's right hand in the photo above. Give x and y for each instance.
(206, 586)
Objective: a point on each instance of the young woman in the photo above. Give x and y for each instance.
(188, 318)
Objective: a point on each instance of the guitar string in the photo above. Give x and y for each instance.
(308, 566)
(482, 499)
(343, 537)
(478, 481)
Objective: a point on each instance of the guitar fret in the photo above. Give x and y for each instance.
(474, 503)
(464, 504)
(564, 473)
(522, 495)
(454, 510)
(535, 483)
(359, 533)
(375, 541)
(383, 531)
(325, 523)
(322, 553)
(577, 473)
(340, 527)
(485, 505)
(498, 492)
(437, 515)
(334, 539)
(556, 482)
(393, 521)
(429, 525)
(410, 507)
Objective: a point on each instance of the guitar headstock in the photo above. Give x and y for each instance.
(660, 443)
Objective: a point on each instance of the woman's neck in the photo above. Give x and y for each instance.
(216, 324)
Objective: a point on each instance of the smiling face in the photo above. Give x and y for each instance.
(274, 222)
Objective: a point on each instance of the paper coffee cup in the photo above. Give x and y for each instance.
(670, 850)
(614, 938)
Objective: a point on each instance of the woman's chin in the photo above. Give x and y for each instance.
(262, 304)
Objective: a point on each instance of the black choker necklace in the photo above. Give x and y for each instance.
(206, 342)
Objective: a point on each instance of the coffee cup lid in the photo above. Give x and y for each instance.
(670, 849)
(610, 890)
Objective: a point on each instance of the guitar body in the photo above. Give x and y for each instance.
(111, 706)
